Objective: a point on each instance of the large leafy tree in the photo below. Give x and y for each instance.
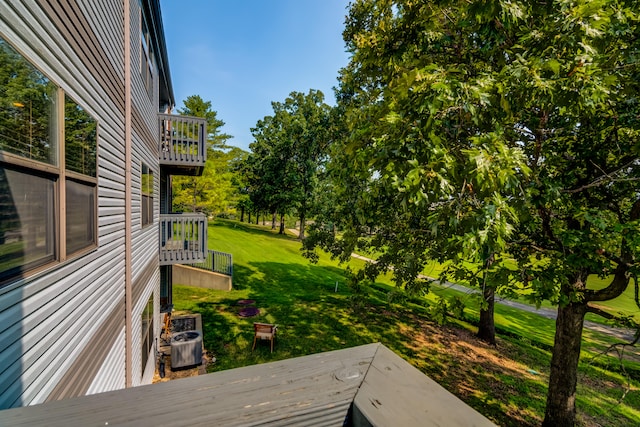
(487, 129)
(271, 183)
(288, 151)
(235, 160)
(308, 132)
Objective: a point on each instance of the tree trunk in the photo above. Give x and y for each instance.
(273, 221)
(563, 377)
(195, 193)
(242, 214)
(487, 327)
(302, 221)
(249, 216)
(257, 217)
(281, 224)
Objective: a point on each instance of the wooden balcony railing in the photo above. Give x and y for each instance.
(183, 141)
(183, 238)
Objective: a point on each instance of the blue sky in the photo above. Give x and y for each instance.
(241, 55)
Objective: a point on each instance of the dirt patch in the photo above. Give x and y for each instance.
(181, 323)
(474, 370)
(170, 374)
(497, 379)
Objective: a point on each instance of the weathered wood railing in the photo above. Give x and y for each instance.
(219, 262)
(183, 142)
(183, 238)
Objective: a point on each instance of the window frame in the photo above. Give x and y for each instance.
(82, 179)
(149, 204)
(47, 256)
(147, 59)
(147, 333)
(58, 173)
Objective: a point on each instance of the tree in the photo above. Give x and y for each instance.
(235, 159)
(482, 130)
(270, 181)
(307, 129)
(210, 192)
(195, 106)
(287, 153)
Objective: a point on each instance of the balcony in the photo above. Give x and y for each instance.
(183, 238)
(183, 149)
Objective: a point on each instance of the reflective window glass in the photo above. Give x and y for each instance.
(37, 189)
(80, 217)
(27, 108)
(147, 331)
(27, 221)
(80, 139)
(146, 180)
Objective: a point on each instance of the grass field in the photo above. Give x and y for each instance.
(623, 305)
(316, 311)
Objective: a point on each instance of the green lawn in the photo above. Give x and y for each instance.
(624, 304)
(506, 384)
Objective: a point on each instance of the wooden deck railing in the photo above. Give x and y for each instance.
(183, 238)
(219, 262)
(183, 142)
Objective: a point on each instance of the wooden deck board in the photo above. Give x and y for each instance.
(394, 393)
(301, 391)
(380, 387)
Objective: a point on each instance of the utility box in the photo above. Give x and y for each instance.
(186, 349)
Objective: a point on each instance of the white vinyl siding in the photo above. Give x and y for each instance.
(112, 373)
(47, 319)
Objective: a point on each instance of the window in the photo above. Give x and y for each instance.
(79, 139)
(80, 203)
(146, 57)
(146, 181)
(80, 154)
(34, 184)
(147, 332)
(27, 221)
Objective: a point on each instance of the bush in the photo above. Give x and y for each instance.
(439, 311)
(457, 307)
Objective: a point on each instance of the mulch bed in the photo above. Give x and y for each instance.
(249, 312)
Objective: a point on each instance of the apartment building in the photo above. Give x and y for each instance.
(87, 238)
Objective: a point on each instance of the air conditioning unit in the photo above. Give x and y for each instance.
(186, 349)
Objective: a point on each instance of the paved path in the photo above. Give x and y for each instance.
(623, 334)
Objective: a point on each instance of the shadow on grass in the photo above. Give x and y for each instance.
(313, 317)
(250, 228)
(302, 299)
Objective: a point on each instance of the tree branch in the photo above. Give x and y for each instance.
(622, 273)
(617, 286)
(619, 349)
(598, 182)
(606, 178)
(612, 257)
(600, 312)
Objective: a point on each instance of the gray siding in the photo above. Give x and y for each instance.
(77, 380)
(71, 316)
(145, 241)
(81, 37)
(112, 373)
